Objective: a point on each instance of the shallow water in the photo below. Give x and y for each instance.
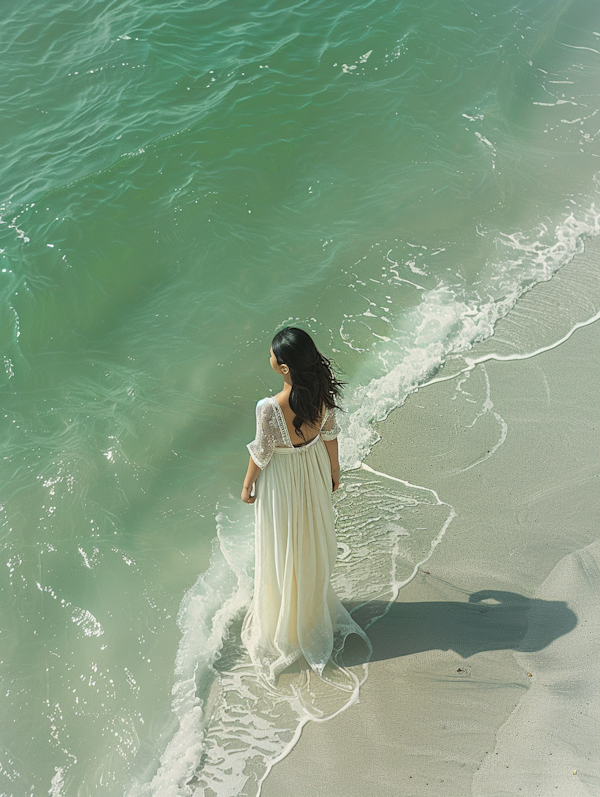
(178, 181)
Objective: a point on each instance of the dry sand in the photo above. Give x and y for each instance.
(485, 676)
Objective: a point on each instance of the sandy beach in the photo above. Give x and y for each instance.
(484, 679)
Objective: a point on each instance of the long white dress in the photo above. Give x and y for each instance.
(295, 611)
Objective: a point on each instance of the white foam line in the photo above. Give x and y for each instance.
(472, 363)
(488, 406)
(397, 586)
(287, 749)
(401, 279)
(306, 719)
(580, 47)
(403, 481)
(408, 282)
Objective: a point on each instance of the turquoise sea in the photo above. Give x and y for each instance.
(177, 181)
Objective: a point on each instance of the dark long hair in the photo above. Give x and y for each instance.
(314, 385)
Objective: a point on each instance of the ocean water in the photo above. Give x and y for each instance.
(178, 180)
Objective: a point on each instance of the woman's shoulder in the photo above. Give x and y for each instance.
(283, 399)
(326, 415)
(265, 403)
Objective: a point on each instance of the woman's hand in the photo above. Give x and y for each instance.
(335, 481)
(246, 497)
(251, 476)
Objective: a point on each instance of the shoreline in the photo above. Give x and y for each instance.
(512, 587)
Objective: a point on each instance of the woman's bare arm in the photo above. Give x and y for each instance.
(252, 475)
(332, 450)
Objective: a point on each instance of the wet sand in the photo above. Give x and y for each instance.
(484, 679)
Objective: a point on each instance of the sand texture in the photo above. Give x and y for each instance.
(484, 679)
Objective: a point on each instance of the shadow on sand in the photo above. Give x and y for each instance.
(489, 620)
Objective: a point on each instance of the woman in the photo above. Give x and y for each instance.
(293, 469)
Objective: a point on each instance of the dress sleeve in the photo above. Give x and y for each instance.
(261, 448)
(330, 429)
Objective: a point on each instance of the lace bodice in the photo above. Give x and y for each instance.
(272, 431)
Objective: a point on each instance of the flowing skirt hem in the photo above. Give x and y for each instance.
(270, 665)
